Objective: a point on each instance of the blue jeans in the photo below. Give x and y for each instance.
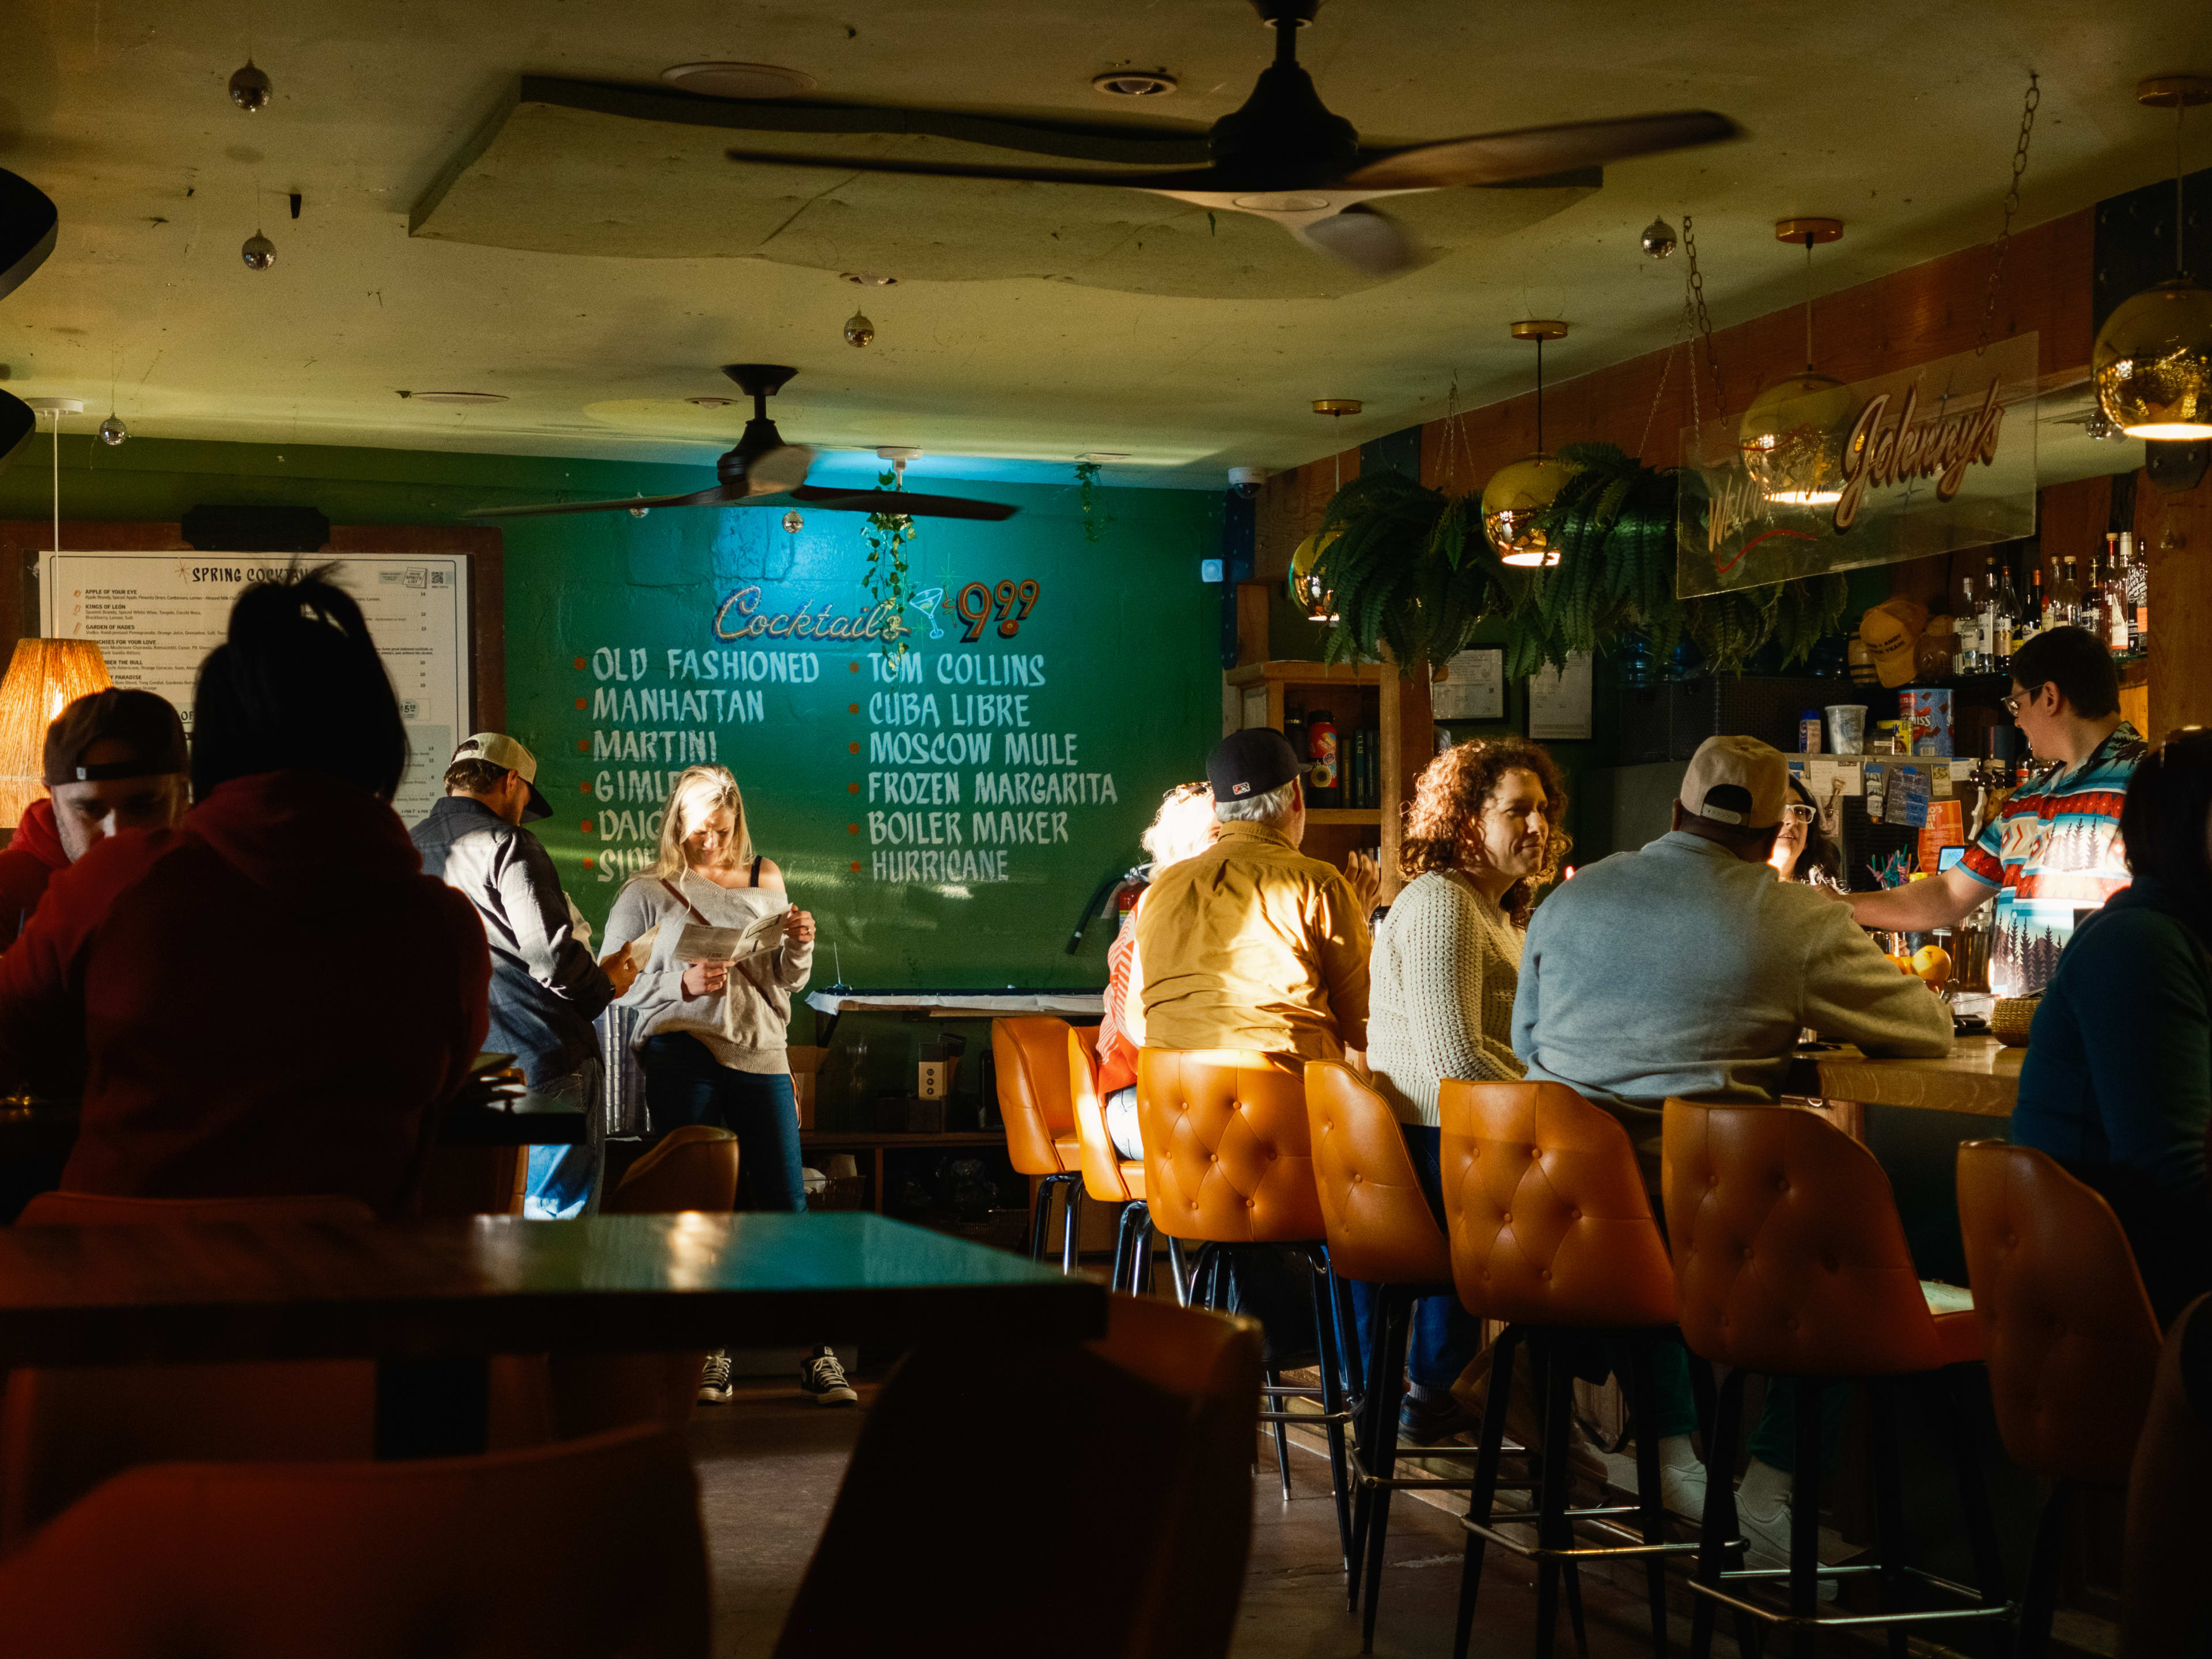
(1445, 1337)
(561, 1178)
(686, 1083)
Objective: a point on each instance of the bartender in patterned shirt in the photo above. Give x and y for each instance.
(2053, 854)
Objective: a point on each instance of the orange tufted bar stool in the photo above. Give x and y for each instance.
(1029, 1055)
(1381, 1232)
(1108, 1177)
(1228, 1165)
(2073, 1344)
(1553, 1233)
(1790, 1261)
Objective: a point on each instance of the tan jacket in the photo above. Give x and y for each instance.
(1252, 946)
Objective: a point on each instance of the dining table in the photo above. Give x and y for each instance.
(430, 1300)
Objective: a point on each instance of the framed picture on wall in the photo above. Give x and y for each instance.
(1473, 686)
(1559, 700)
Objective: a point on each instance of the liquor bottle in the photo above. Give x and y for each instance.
(2066, 597)
(2092, 614)
(1967, 629)
(2116, 609)
(1294, 733)
(1988, 628)
(2008, 619)
(1322, 787)
(2038, 606)
(2138, 594)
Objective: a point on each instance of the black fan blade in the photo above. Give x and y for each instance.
(28, 225)
(17, 421)
(1128, 179)
(900, 500)
(719, 495)
(1499, 158)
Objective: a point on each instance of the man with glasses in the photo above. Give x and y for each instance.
(2053, 854)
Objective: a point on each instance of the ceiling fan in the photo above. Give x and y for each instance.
(762, 465)
(28, 225)
(1284, 156)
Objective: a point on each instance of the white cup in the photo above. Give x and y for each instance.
(1846, 728)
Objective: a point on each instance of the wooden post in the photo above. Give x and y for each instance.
(1407, 729)
(2174, 533)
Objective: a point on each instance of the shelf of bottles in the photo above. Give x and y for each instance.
(2110, 599)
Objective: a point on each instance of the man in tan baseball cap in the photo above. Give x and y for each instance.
(1733, 794)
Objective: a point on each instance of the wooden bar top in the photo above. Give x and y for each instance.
(177, 1291)
(1981, 1076)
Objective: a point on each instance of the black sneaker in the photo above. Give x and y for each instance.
(715, 1379)
(1439, 1417)
(822, 1379)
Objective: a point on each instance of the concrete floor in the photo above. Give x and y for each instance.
(770, 1461)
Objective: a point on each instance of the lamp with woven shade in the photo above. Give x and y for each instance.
(43, 678)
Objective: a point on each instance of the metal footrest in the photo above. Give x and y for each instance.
(1601, 1521)
(1856, 1570)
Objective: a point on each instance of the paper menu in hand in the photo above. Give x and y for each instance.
(699, 943)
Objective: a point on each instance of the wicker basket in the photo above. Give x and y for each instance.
(2010, 1018)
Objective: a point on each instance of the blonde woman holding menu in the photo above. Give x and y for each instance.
(711, 1035)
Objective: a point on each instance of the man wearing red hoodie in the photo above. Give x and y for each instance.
(115, 761)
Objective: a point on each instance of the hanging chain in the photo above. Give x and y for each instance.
(1658, 396)
(2011, 206)
(1693, 305)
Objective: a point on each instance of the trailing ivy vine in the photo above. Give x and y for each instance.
(887, 583)
(1410, 570)
(1086, 496)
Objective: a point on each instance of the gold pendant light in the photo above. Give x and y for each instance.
(2152, 361)
(1517, 496)
(1794, 432)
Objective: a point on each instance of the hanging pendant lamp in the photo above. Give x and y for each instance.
(1306, 588)
(2152, 361)
(1517, 496)
(1793, 434)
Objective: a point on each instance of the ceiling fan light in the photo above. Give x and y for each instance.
(1513, 504)
(2153, 362)
(1793, 437)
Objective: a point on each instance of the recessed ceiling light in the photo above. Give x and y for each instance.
(1134, 84)
(711, 403)
(739, 80)
(871, 279)
(456, 397)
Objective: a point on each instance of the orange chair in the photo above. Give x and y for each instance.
(2169, 1528)
(934, 1545)
(1030, 1057)
(589, 1548)
(1228, 1165)
(63, 1431)
(1108, 1177)
(1381, 1233)
(693, 1168)
(1551, 1233)
(1790, 1261)
(2073, 1344)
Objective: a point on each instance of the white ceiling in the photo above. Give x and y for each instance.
(1895, 115)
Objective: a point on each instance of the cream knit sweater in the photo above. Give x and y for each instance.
(1446, 965)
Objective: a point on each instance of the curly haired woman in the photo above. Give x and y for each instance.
(1482, 836)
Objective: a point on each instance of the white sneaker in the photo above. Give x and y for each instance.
(715, 1388)
(1767, 1541)
(822, 1379)
(1682, 1490)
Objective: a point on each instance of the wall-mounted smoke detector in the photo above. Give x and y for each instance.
(721, 80)
(1134, 84)
(456, 397)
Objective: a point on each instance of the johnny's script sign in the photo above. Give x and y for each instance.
(1922, 461)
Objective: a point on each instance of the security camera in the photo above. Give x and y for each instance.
(1246, 480)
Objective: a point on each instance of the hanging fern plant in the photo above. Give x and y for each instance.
(887, 583)
(1408, 568)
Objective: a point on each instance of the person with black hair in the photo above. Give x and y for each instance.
(270, 998)
(1802, 852)
(2117, 1085)
(2056, 850)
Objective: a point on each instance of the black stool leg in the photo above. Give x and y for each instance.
(1895, 1551)
(1482, 1502)
(1947, 1390)
(1642, 1386)
(1321, 1287)
(1124, 1276)
(1179, 1270)
(1071, 1226)
(1397, 1312)
(1719, 1527)
(1040, 1211)
(1372, 1428)
(1805, 1517)
(1554, 1383)
(2039, 1595)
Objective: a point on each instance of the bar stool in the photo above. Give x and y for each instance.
(1108, 1177)
(1228, 1165)
(1553, 1233)
(1790, 1261)
(2073, 1344)
(1029, 1055)
(1381, 1233)
(2169, 1530)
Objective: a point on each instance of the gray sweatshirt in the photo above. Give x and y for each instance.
(744, 1024)
(1680, 969)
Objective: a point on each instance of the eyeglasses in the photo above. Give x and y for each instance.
(1799, 813)
(2011, 705)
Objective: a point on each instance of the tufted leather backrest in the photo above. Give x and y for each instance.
(1102, 1165)
(2071, 1340)
(1226, 1154)
(1030, 1056)
(1788, 1256)
(694, 1167)
(1380, 1227)
(1549, 1221)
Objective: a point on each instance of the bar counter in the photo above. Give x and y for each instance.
(1979, 1078)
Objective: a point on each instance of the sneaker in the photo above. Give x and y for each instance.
(1440, 1416)
(1682, 1490)
(715, 1379)
(1766, 1540)
(822, 1379)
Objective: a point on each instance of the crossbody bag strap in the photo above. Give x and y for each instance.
(698, 916)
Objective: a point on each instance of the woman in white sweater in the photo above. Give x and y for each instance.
(1482, 836)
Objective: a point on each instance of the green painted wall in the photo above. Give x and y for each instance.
(1116, 661)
